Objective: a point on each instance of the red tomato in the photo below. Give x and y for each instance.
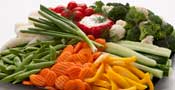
(71, 5)
(66, 13)
(82, 5)
(78, 15)
(59, 9)
(52, 9)
(78, 9)
(89, 11)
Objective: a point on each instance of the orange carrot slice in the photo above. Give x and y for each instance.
(88, 87)
(87, 53)
(60, 82)
(86, 72)
(50, 88)
(75, 84)
(73, 72)
(63, 56)
(78, 46)
(69, 48)
(37, 80)
(85, 45)
(49, 75)
(91, 37)
(96, 55)
(27, 83)
(60, 68)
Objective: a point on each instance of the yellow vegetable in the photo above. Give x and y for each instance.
(136, 71)
(102, 83)
(100, 59)
(147, 80)
(127, 60)
(117, 78)
(125, 72)
(138, 85)
(113, 84)
(98, 88)
(97, 75)
(131, 88)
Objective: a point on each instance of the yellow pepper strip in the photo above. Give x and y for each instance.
(100, 59)
(98, 88)
(135, 70)
(131, 88)
(139, 86)
(125, 72)
(147, 80)
(102, 83)
(113, 84)
(97, 75)
(126, 60)
(117, 78)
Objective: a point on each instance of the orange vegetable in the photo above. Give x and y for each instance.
(91, 37)
(86, 72)
(69, 48)
(60, 81)
(50, 88)
(87, 86)
(75, 84)
(96, 55)
(27, 83)
(73, 72)
(63, 56)
(61, 68)
(37, 80)
(87, 53)
(49, 75)
(78, 46)
(101, 41)
(85, 45)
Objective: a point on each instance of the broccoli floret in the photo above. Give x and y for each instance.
(149, 28)
(98, 6)
(118, 11)
(132, 33)
(135, 16)
(154, 18)
(167, 42)
(167, 28)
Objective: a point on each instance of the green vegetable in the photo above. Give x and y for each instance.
(2, 75)
(123, 51)
(6, 60)
(132, 33)
(118, 11)
(40, 65)
(21, 77)
(52, 53)
(17, 61)
(146, 48)
(11, 77)
(98, 6)
(39, 60)
(154, 18)
(134, 16)
(156, 72)
(11, 67)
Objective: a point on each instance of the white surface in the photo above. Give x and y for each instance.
(13, 11)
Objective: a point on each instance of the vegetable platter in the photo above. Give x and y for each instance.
(102, 46)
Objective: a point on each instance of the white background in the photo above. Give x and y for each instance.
(13, 11)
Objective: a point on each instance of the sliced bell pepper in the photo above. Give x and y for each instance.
(98, 88)
(131, 88)
(102, 83)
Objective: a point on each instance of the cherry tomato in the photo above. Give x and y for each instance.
(71, 5)
(52, 9)
(66, 13)
(89, 11)
(82, 5)
(59, 9)
(78, 15)
(78, 9)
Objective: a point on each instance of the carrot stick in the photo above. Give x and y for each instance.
(50, 88)
(96, 55)
(78, 46)
(27, 83)
(91, 37)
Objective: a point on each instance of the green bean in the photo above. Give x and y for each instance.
(29, 48)
(52, 53)
(11, 67)
(26, 61)
(3, 68)
(10, 56)
(15, 51)
(64, 41)
(2, 75)
(11, 77)
(60, 46)
(46, 57)
(39, 60)
(5, 52)
(6, 60)
(41, 54)
(17, 61)
(16, 81)
(27, 74)
(73, 41)
(39, 65)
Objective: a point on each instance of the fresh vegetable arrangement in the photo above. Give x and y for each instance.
(99, 47)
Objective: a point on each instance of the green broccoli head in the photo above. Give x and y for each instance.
(149, 28)
(98, 6)
(118, 11)
(135, 16)
(154, 18)
(132, 33)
